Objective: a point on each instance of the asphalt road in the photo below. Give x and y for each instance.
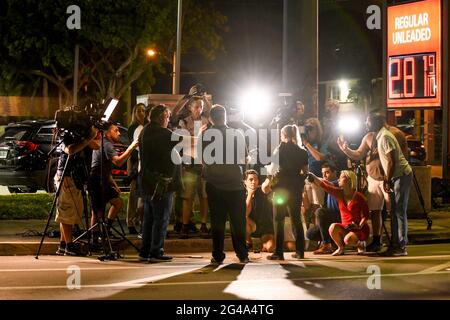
(424, 274)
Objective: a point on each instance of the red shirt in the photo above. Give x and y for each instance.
(354, 210)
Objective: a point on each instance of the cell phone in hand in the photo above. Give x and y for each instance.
(351, 227)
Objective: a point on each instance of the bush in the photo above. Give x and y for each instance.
(35, 206)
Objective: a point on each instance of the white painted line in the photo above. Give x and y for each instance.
(148, 282)
(439, 267)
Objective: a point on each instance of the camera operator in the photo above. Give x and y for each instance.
(134, 211)
(69, 205)
(289, 115)
(330, 134)
(317, 154)
(109, 191)
(160, 178)
(377, 196)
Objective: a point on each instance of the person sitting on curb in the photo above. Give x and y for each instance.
(258, 213)
(354, 229)
(325, 216)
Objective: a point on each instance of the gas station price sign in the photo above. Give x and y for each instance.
(414, 55)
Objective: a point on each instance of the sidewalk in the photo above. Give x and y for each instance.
(22, 237)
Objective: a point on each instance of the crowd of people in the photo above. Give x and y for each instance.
(308, 181)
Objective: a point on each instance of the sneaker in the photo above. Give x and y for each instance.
(325, 248)
(275, 256)
(74, 250)
(193, 227)
(244, 260)
(373, 247)
(143, 259)
(132, 230)
(61, 249)
(361, 247)
(394, 252)
(298, 255)
(216, 262)
(162, 258)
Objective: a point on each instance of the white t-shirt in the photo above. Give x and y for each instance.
(386, 143)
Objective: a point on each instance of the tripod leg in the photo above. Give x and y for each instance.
(422, 202)
(50, 215)
(122, 235)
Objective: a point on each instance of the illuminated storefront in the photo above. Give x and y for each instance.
(416, 88)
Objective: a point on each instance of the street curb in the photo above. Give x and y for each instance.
(429, 238)
(49, 247)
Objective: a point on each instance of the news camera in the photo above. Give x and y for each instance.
(77, 122)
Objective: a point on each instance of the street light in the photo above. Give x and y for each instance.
(151, 53)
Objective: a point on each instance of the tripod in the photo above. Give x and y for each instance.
(422, 202)
(109, 253)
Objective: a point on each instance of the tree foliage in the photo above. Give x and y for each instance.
(114, 36)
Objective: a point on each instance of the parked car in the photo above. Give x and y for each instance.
(25, 163)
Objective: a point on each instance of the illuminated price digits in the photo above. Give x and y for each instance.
(404, 78)
(395, 64)
(429, 75)
(409, 75)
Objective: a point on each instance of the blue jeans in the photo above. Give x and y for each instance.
(402, 186)
(154, 227)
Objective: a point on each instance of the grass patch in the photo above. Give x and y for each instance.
(35, 206)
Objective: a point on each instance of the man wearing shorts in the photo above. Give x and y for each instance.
(377, 196)
(103, 188)
(69, 205)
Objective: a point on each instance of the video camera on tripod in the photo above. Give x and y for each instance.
(287, 113)
(77, 122)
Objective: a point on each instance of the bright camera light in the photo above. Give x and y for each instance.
(349, 124)
(255, 102)
(109, 109)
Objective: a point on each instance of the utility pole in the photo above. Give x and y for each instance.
(301, 52)
(75, 75)
(177, 53)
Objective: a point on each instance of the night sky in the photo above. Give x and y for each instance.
(253, 48)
